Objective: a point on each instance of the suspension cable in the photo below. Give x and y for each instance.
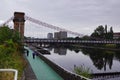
(51, 26)
(45, 25)
(6, 22)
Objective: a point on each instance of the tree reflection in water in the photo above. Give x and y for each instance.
(102, 58)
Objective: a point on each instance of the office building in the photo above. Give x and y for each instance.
(50, 35)
(60, 35)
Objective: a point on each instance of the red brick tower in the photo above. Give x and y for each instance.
(19, 22)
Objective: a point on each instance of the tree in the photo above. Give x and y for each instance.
(101, 33)
(110, 33)
(98, 32)
(8, 36)
(106, 29)
(5, 34)
(85, 37)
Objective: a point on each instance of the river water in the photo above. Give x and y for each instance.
(97, 60)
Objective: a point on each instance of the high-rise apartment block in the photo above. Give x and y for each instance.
(60, 35)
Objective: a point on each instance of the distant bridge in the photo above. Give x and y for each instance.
(70, 41)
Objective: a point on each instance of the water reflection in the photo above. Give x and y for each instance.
(100, 58)
(97, 59)
(60, 51)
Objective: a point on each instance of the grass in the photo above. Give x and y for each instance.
(110, 45)
(6, 75)
(82, 70)
(13, 61)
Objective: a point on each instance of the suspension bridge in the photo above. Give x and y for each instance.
(19, 19)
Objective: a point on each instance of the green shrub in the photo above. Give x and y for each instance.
(110, 45)
(82, 70)
(10, 56)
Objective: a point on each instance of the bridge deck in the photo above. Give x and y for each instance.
(41, 69)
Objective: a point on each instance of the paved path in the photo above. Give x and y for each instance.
(41, 69)
(29, 74)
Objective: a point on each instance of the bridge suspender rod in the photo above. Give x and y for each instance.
(7, 21)
(51, 26)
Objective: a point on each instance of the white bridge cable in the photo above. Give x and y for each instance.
(6, 22)
(51, 26)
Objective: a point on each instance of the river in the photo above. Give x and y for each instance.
(97, 60)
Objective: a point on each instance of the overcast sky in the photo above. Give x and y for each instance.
(81, 16)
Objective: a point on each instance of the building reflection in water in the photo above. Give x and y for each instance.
(100, 60)
(60, 51)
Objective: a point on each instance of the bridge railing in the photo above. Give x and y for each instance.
(11, 70)
(70, 41)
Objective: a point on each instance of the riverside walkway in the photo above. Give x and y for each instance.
(41, 69)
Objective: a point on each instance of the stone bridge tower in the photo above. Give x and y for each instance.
(19, 22)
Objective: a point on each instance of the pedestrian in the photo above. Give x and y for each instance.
(34, 53)
(27, 52)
